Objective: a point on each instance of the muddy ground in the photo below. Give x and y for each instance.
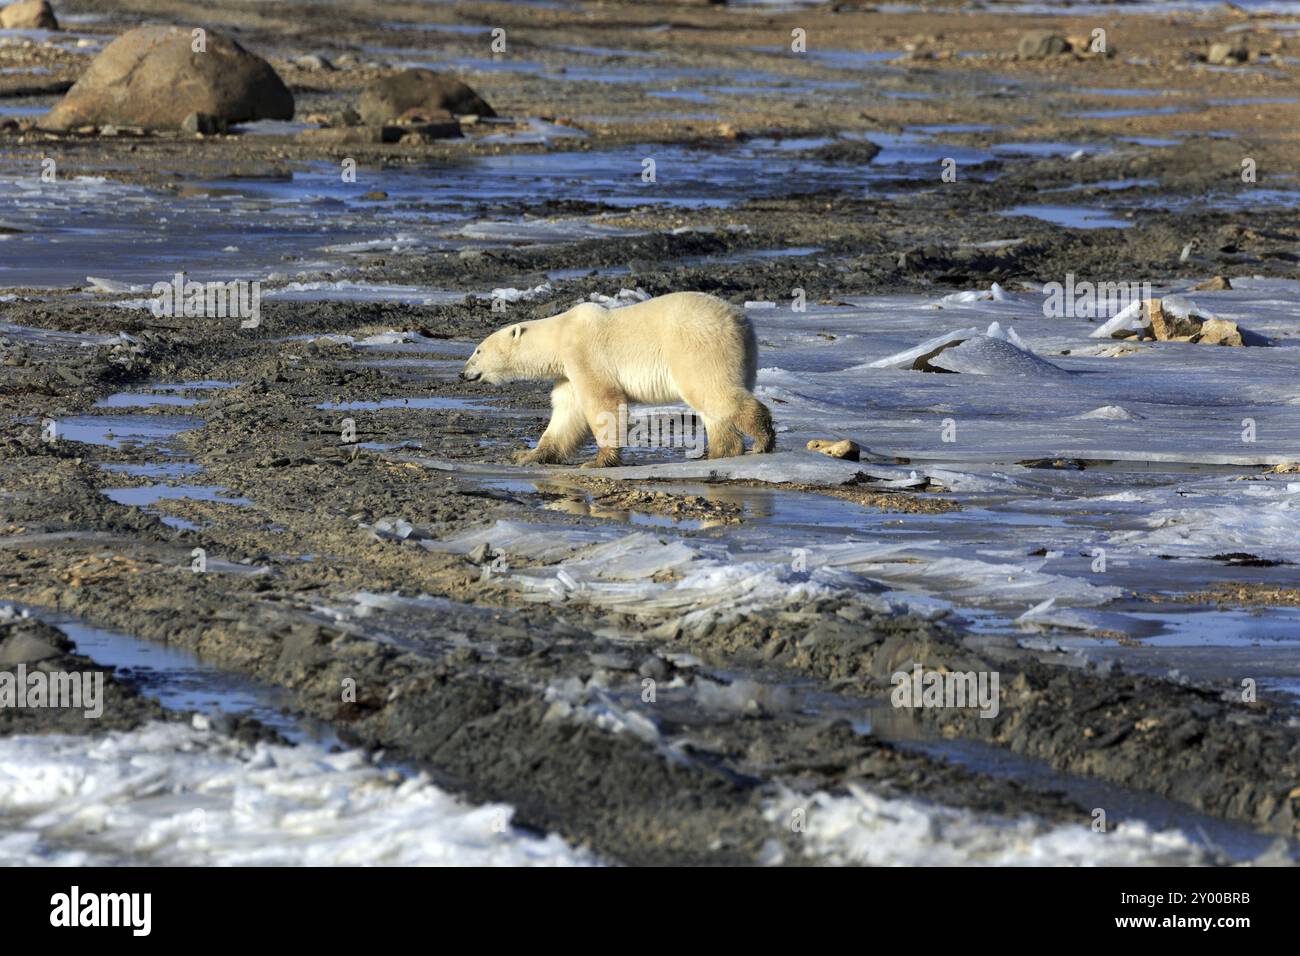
(456, 681)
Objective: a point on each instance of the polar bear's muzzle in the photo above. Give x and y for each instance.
(468, 376)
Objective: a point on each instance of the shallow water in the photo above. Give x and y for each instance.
(1072, 217)
(243, 228)
(118, 430)
(152, 494)
(182, 681)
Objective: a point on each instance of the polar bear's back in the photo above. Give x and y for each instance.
(659, 345)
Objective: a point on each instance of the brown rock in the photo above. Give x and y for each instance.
(1167, 327)
(29, 15)
(151, 77)
(387, 99)
(1219, 332)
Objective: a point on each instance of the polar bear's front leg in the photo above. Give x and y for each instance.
(564, 435)
(605, 409)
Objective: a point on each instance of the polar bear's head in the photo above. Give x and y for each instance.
(497, 359)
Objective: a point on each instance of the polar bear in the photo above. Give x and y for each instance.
(685, 347)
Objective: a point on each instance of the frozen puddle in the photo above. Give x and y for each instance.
(118, 430)
(163, 394)
(181, 681)
(49, 337)
(151, 431)
(152, 494)
(1072, 217)
(136, 400)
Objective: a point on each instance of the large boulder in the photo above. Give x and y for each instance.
(152, 77)
(387, 99)
(28, 15)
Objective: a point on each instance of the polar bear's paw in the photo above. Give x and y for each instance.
(535, 456)
(605, 458)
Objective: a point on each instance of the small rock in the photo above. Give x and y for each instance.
(846, 449)
(1039, 44)
(612, 662)
(1217, 284)
(204, 124)
(1219, 332)
(654, 667)
(1228, 53)
(314, 61)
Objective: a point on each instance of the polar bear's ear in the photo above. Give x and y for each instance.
(517, 331)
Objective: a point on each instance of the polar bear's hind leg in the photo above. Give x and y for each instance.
(756, 421)
(722, 414)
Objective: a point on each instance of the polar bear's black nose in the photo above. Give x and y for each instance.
(468, 376)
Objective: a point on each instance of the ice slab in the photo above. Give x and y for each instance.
(786, 466)
(986, 355)
(173, 795)
(864, 829)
